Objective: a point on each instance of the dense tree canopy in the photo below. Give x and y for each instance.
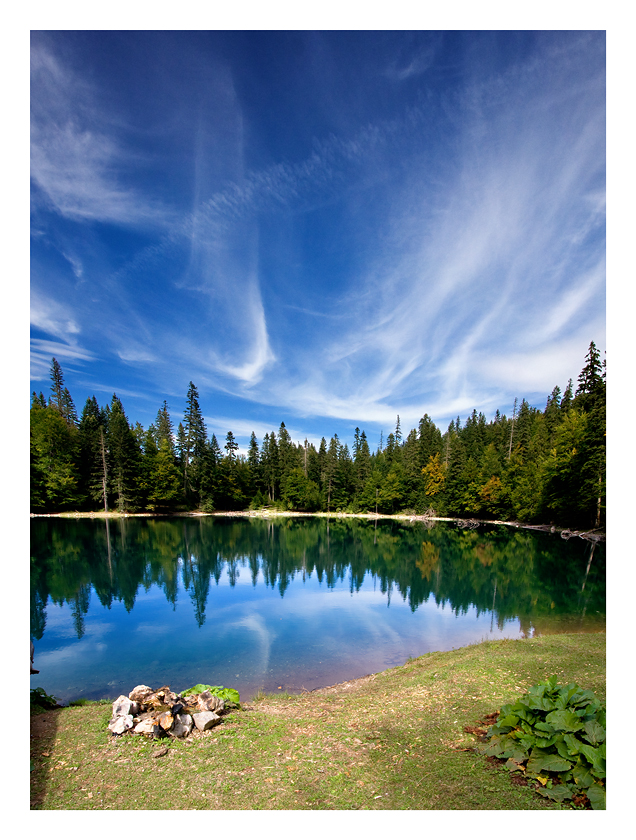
(536, 466)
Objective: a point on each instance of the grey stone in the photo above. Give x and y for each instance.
(208, 702)
(140, 693)
(145, 727)
(124, 706)
(120, 724)
(162, 699)
(183, 724)
(205, 720)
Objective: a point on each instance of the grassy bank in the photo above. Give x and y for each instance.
(390, 741)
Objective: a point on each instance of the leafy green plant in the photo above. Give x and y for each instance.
(556, 735)
(229, 694)
(41, 701)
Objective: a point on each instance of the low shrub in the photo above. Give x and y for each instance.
(230, 695)
(556, 735)
(42, 702)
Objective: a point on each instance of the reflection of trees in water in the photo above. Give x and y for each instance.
(507, 574)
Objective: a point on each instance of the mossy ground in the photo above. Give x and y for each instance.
(389, 741)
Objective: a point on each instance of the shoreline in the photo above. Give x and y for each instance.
(594, 535)
(399, 740)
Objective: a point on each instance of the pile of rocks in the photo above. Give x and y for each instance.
(162, 713)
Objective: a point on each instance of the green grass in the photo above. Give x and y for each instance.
(391, 741)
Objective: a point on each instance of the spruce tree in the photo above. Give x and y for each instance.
(590, 382)
(194, 445)
(568, 394)
(124, 458)
(57, 385)
(231, 447)
(163, 426)
(54, 458)
(93, 464)
(60, 397)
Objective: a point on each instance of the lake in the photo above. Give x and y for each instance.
(287, 604)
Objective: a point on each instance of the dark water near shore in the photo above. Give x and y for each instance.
(288, 604)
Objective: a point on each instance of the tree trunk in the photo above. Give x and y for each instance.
(104, 470)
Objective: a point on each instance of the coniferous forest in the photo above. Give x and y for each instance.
(535, 466)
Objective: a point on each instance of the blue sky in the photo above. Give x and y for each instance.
(323, 228)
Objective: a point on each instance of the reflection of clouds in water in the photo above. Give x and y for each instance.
(257, 625)
(154, 630)
(50, 661)
(59, 622)
(312, 636)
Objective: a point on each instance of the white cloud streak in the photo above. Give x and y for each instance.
(482, 265)
(74, 161)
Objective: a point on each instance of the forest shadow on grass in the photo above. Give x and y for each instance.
(43, 731)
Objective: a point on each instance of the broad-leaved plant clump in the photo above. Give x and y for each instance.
(556, 735)
(41, 701)
(230, 695)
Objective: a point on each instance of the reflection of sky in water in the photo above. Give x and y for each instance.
(319, 632)
(252, 637)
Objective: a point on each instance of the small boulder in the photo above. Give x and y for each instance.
(162, 698)
(124, 706)
(182, 727)
(120, 724)
(205, 720)
(145, 727)
(209, 702)
(140, 693)
(166, 721)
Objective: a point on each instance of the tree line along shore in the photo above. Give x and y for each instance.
(537, 466)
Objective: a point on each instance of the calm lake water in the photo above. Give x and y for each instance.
(288, 604)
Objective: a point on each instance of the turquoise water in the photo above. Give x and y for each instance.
(287, 605)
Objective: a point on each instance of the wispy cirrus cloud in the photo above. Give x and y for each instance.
(419, 261)
(43, 351)
(52, 317)
(76, 160)
(483, 270)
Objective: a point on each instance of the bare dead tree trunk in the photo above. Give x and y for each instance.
(104, 469)
(598, 503)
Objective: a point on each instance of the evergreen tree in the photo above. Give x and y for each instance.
(253, 462)
(429, 440)
(93, 464)
(590, 384)
(60, 397)
(211, 487)
(398, 432)
(182, 449)
(163, 426)
(57, 386)
(566, 402)
(361, 463)
(270, 465)
(552, 413)
(194, 445)
(231, 447)
(69, 413)
(54, 456)
(330, 481)
(165, 484)
(124, 458)
(147, 466)
(412, 472)
(286, 452)
(299, 492)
